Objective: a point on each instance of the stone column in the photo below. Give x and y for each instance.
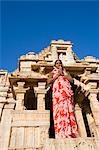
(54, 53)
(40, 91)
(3, 95)
(1, 109)
(94, 104)
(69, 55)
(80, 121)
(92, 125)
(42, 131)
(5, 126)
(20, 96)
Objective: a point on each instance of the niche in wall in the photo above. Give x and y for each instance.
(30, 101)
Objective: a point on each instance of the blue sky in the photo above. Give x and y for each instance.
(30, 26)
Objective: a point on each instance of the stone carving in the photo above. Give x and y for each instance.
(2, 78)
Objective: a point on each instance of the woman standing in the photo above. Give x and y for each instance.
(65, 124)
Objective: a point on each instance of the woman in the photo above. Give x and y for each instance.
(65, 124)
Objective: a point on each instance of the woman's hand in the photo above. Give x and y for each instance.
(60, 71)
(57, 75)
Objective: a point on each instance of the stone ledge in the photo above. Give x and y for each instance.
(29, 123)
(72, 144)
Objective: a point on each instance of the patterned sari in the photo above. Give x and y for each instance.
(65, 124)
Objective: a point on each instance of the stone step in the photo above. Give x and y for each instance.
(72, 144)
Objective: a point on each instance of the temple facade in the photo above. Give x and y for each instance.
(26, 121)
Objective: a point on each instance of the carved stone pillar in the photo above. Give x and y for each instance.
(3, 95)
(94, 105)
(40, 91)
(95, 108)
(1, 109)
(5, 126)
(92, 125)
(44, 116)
(20, 96)
(80, 121)
(69, 55)
(54, 53)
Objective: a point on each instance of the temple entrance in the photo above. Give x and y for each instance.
(30, 101)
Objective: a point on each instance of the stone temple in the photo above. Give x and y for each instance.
(26, 121)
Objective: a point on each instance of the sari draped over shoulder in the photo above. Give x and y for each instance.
(65, 124)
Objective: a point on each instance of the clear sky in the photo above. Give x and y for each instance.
(30, 26)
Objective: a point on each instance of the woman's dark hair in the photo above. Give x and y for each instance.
(59, 61)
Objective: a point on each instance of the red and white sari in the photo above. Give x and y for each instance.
(65, 124)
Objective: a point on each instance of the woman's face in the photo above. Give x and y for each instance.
(58, 64)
